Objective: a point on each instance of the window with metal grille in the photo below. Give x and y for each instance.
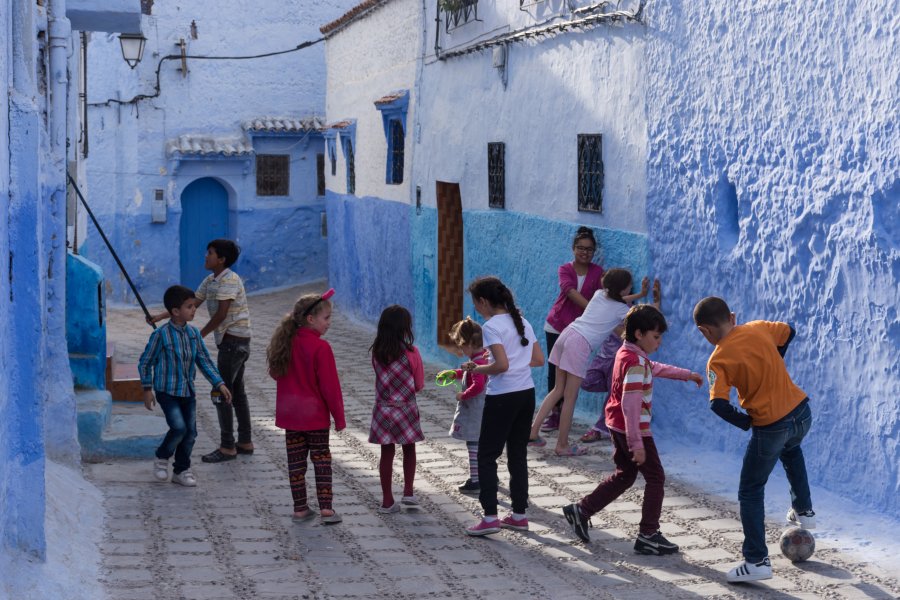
(496, 174)
(273, 174)
(590, 172)
(458, 12)
(351, 167)
(320, 174)
(395, 152)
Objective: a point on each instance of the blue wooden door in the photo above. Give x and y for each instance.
(204, 217)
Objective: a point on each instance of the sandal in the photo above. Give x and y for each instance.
(307, 516)
(537, 442)
(331, 519)
(573, 450)
(217, 456)
(591, 436)
(242, 450)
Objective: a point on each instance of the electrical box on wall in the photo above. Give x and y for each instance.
(158, 207)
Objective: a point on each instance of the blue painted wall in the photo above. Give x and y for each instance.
(86, 322)
(369, 256)
(775, 183)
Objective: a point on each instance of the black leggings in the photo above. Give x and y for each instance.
(506, 422)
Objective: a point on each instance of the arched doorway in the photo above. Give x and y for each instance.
(204, 217)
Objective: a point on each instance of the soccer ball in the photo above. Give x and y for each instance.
(797, 544)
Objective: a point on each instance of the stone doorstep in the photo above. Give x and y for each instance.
(109, 430)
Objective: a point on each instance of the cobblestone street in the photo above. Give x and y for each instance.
(232, 536)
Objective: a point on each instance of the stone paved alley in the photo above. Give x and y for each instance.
(232, 536)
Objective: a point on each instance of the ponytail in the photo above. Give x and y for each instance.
(497, 294)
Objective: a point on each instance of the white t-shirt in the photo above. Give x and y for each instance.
(601, 316)
(500, 329)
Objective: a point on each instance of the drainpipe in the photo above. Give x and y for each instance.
(60, 420)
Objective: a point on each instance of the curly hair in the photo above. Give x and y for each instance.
(466, 332)
(278, 354)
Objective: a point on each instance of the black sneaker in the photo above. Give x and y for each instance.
(654, 544)
(470, 487)
(579, 524)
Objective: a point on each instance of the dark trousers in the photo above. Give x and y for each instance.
(769, 444)
(181, 417)
(233, 354)
(551, 370)
(626, 473)
(300, 446)
(506, 422)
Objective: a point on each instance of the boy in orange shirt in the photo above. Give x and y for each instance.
(750, 357)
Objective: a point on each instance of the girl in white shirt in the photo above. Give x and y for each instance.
(573, 349)
(509, 402)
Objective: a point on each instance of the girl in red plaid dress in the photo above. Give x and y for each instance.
(395, 419)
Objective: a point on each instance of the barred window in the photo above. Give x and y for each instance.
(273, 174)
(590, 172)
(396, 152)
(351, 167)
(320, 174)
(496, 174)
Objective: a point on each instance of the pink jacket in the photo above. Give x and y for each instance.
(564, 311)
(309, 394)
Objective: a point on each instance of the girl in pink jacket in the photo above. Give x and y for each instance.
(308, 396)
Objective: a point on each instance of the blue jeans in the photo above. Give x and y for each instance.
(769, 444)
(181, 416)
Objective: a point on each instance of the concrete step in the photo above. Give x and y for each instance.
(108, 429)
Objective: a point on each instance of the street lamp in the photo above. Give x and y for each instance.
(132, 48)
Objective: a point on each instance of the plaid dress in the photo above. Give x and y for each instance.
(395, 418)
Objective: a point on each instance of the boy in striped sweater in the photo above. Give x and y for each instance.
(628, 413)
(167, 369)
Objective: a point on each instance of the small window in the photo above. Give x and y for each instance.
(273, 174)
(396, 152)
(320, 174)
(590, 172)
(496, 174)
(351, 166)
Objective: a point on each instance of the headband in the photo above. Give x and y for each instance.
(324, 296)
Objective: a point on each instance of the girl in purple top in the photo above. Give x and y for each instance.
(578, 280)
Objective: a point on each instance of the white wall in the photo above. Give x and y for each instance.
(366, 60)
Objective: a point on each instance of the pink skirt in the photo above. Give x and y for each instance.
(571, 353)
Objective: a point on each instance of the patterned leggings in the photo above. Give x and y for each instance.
(314, 443)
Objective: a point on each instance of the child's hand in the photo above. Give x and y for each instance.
(459, 396)
(657, 293)
(226, 394)
(645, 286)
(469, 366)
(639, 456)
(149, 400)
(696, 378)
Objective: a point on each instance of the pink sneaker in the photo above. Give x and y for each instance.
(510, 522)
(484, 528)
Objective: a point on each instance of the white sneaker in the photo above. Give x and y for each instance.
(804, 520)
(185, 478)
(161, 469)
(750, 572)
(387, 510)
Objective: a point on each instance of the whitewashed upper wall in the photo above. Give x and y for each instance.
(576, 82)
(366, 60)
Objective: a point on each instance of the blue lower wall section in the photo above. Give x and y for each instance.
(279, 246)
(369, 257)
(525, 251)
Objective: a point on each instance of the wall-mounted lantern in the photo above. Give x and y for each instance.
(132, 48)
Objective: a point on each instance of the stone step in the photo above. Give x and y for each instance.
(108, 429)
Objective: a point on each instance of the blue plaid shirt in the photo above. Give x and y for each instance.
(174, 353)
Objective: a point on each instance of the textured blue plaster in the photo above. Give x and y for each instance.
(23, 448)
(86, 322)
(369, 254)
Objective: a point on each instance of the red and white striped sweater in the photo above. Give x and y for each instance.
(630, 405)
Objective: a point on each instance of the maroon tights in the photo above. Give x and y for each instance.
(386, 471)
